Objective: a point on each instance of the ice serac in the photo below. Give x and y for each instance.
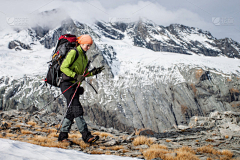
(136, 95)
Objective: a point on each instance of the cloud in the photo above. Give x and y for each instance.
(89, 11)
(25, 13)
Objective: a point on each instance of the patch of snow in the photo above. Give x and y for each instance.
(15, 150)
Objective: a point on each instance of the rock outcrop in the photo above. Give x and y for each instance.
(216, 136)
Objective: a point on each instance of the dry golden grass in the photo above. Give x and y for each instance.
(208, 149)
(168, 140)
(158, 146)
(108, 153)
(37, 127)
(51, 144)
(185, 149)
(44, 130)
(158, 151)
(53, 134)
(154, 153)
(103, 147)
(40, 139)
(32, 123)
(11, 135)
(18, 138)
(142, 140)
(125, 151)
(103, 134)
(226, 136)
(227, 153)
(38, 130)
(115, 148)
(209, 158)
(184, 155)
(52, 130)
(56, 126)
(47, 142)
(75, 135)
(25, 131)
(8, 131)
(56, 144)
(18, 125)
(81, 143)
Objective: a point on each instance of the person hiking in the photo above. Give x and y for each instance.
(73, 71)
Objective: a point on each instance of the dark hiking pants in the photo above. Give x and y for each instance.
(75, 111)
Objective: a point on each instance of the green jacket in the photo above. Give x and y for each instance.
(77, 67)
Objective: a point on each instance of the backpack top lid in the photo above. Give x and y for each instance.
(69, 37)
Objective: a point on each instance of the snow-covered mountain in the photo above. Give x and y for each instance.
(175, 38)
(155, 77)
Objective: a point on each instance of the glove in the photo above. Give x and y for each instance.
(79, 78)
(97, 70)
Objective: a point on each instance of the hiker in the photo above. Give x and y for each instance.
(72, 72)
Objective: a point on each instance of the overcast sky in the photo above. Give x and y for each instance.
(220, 17)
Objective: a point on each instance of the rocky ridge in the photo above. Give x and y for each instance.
(175, 38)
(216, 136)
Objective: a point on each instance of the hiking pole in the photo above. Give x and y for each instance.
(73, 97)
(69, 105)
(54, 98)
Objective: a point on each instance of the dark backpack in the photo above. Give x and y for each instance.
(65, 43)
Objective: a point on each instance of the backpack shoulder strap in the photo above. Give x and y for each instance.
(76, 57)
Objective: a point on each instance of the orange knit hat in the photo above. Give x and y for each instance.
(85, 39)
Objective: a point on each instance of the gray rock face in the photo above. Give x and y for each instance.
(17, 45)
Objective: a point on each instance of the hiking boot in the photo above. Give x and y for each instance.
(62, 136)
(93, 139)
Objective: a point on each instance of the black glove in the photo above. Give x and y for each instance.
(97, 70)
(79, 78)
